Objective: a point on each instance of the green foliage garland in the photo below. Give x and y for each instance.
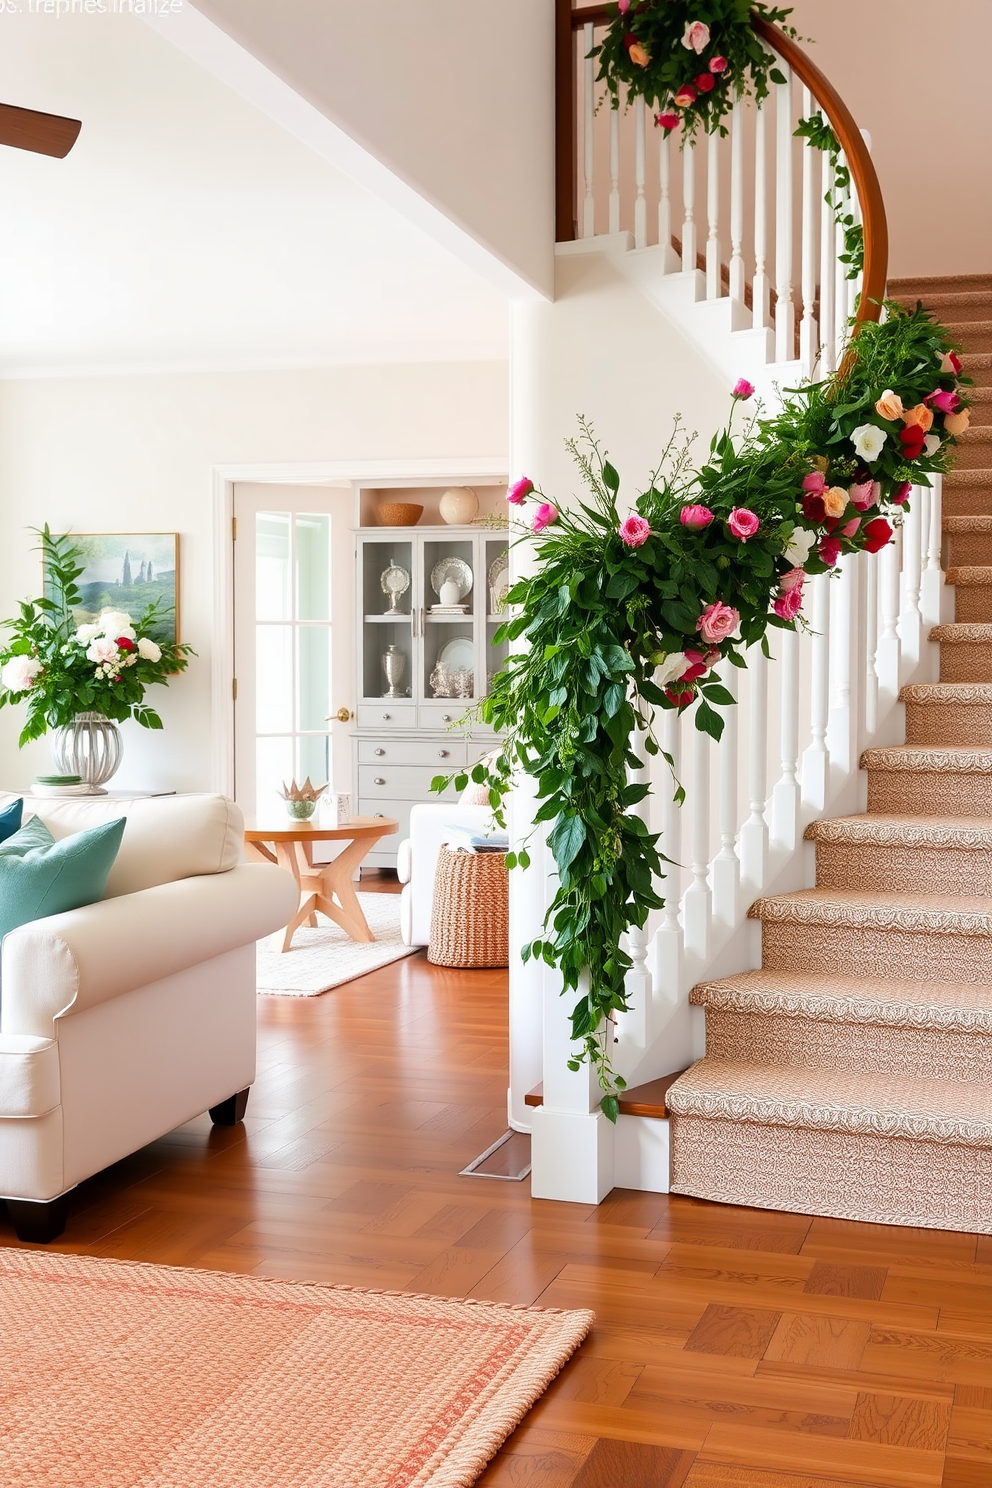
(612, 626)
(47, 664)
(821, 137)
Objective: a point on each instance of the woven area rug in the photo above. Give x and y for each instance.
(325, 957)
(119, 1374)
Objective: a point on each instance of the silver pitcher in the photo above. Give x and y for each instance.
(394, 665)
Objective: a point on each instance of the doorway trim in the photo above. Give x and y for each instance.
(289, 473)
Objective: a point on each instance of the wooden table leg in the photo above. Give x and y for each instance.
(334, 883)
(288, 858)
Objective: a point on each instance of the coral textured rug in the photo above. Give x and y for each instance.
(118, 1374)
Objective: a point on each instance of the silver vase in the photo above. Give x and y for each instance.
(394, 665)
(90, 747)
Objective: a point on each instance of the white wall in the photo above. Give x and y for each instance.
(137, 454)
(916, 77)
(456, 98)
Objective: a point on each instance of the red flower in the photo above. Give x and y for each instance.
(706, 82)
(667, 121)
(877, 534)
(829, 550)
(912, 439)
(123, 644)
(698, 666)
(814, 509)
(679, 698)
(901, 493)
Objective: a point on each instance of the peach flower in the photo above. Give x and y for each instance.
(638, 55)
(919, 416)
(956, 423)
(889, 405)
(835, 501)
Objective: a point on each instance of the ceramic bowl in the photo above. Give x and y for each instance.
(398, 514)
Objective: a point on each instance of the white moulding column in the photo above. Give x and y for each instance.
(571, 1139)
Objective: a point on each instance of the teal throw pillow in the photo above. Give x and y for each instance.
(10, 819)
(41, 877)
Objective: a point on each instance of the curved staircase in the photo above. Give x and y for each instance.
(852, 1074)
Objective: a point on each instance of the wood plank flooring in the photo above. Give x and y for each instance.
(734, 1348)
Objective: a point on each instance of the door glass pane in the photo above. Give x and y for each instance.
(314, 688)
(273, 768)
(313, 566)
(273, 679)
(314, 759)
(273, 573)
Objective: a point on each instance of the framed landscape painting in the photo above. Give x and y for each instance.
(129, 571)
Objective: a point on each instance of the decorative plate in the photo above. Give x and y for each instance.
(455, 569)
(499, 582)
(394, 581)
(457, 654)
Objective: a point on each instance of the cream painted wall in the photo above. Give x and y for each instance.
(106, 454)
(916, 79)
(456, 98)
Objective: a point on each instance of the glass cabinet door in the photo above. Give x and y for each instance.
(497, 565)
(449, 584)
(389, 605)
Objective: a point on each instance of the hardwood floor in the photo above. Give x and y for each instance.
(734, 1348)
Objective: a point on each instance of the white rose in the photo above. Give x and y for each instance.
(148, 650)
(85, 634)
(797, 549)
(102, 650)
(931, 445)
(868, 440)
(670, 668)
(19, 673)
(116, 623)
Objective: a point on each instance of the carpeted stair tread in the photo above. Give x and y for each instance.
(916, 758)
(960, 1007)
(966, 694)
(969, 576)
(913, 285)
(879, 910)
(893, 829)
(950, 1112)
(961, 633)
(967, 524)
(956, 479)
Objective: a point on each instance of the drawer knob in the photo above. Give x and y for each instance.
(442, 754)
(380, 752)
(445, 717)
(378, 780)
(385, 717)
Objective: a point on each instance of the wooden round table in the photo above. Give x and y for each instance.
(324, 886)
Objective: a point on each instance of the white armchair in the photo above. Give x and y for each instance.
(416, 861)
(121, 1020)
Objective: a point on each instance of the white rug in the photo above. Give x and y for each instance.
(325, 957)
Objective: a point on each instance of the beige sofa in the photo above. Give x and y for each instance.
(122, 1020)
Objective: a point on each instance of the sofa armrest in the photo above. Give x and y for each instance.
(69, 962)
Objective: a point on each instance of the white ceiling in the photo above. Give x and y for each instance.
(187, 230)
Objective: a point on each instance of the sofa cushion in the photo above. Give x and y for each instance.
(10, 818)
(165, 837)
(41, 877)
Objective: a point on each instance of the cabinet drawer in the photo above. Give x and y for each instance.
(445, 714)
(385, 714)
(442, 754)
(401, 811)
(400, 782)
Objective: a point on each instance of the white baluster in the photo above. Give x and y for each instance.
(667, 958)
(614, 171)
(665, 202)
(640, 203)
(689, 208)
(785, 321)
(807, 327)
(841, 729)
(932, 585)
(786, 795)
(713, 217)
(588, 135)
(726, 865)
(759, 287)
(871, 647)
(754, 832)
(737, 315)
(887, 652)
(828, 350)
(910, 619)
(815, 763)
(697, 903)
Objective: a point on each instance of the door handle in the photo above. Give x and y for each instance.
(343, 715)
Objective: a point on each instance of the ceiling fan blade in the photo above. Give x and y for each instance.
(45, 134)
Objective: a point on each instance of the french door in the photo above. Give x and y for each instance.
(293, 641)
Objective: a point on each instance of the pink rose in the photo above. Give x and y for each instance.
(718, 64)
(863, 495)
(945, 401)
(623, 6)
(901, 493)
(950, 364)
(717, 622)
(520, 490)
(706, 82)
(695, 517)
(790, 580)
(634, 531)
(851, 527)
(815, 483)
(698, 666)
(743, 389)
(789, 603)
(685, 96)
(544, 516)
(697, 36)
(829, 550)
(743, 523)
(667, 121)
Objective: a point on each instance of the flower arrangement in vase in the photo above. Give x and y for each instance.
(301, 800)
(72, 676)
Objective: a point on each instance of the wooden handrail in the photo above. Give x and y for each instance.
(876, 232)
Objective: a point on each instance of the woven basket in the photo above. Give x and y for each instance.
(470, 915)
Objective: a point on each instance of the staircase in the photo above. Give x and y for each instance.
(852, 1074)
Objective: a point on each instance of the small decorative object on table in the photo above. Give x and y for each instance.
(459, 506)
(301, 800)
(82, 680)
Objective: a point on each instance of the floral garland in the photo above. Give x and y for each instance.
(689, 59)
(633, 608)
(60, 668)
